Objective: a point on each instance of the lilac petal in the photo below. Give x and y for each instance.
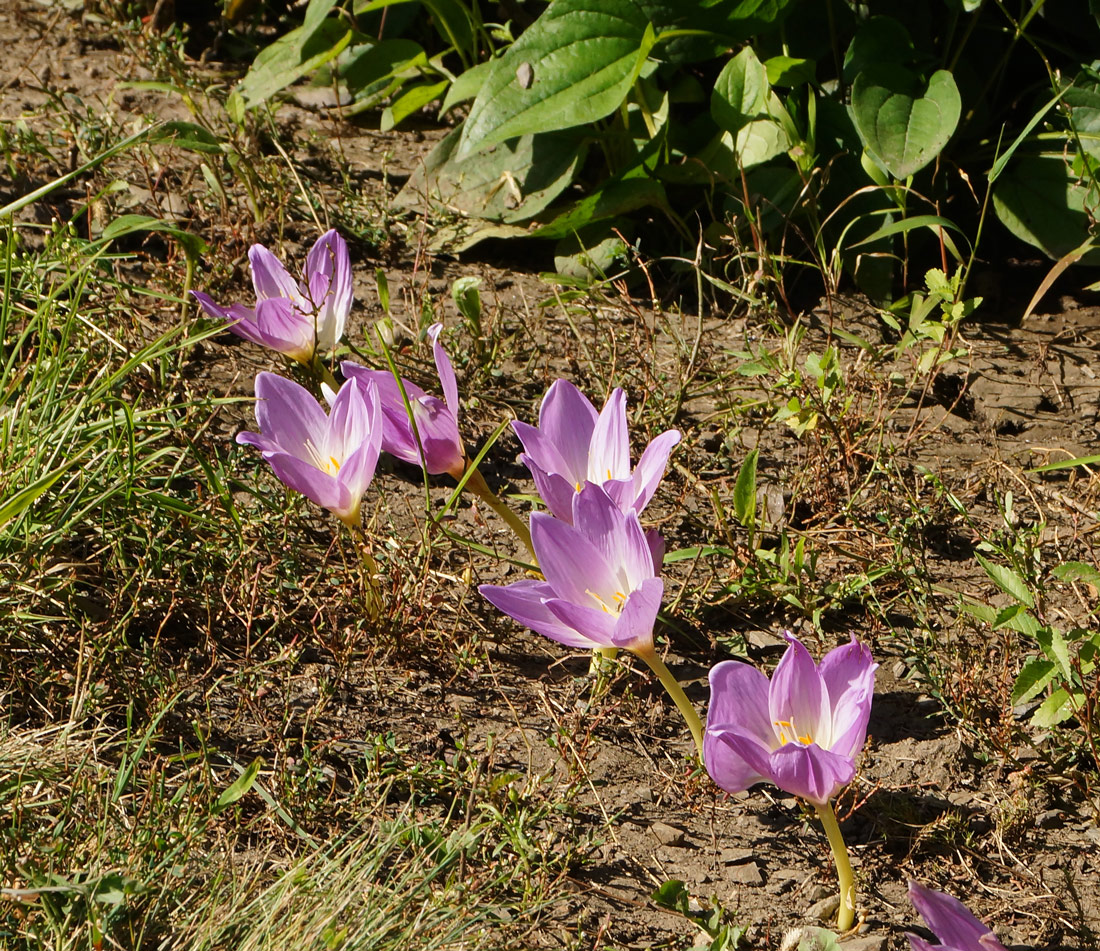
(618, 537)
(656, 548)
(352, 418)
(798, 703)
(281, 326)
(568, 419)
(364, 430)
(596, 626)
(438, 431)
(526, 602)
(269, 277)
(848, 673)
(314, 484)
(290, 417)
(258, 440)
(651, 467)
(554, 490)
(739, 700)
(634, 627)
(621, 492)
(446, 371)
(328, 273)
(571, 564)
(951, 921)
(917, 943)
(810, 772)
(609, 455)
(735, 761)
(397, 434)
(241, 320)
(538, 447)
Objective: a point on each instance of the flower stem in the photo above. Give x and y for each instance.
(475, 481)
(845, 878)
(369, 567)
(672, 685)
(321, 373)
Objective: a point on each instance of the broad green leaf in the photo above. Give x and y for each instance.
(412, 100)
(239, 786)
(1042, 202)
(740, 93)
(589, 260)
(904, 123)
(1054, 646)
(509, 182)
(1077, 571)
(574, 65)
(291, 57)
(744, 492)
(1007, 580)
(365, 66)
(1003, 158)
(466, 86)
(1033, 679)
(617, 197)
(788, 71)
(696, 551)
(1057, 708)
(880, 39)
(818, 939)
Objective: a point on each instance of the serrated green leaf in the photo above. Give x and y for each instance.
(1033, 679)
(744, 492)
(1055, 647)
(1057, 708)
(1077, 571)
(1007, 580)
(904, 122)
(574, 65)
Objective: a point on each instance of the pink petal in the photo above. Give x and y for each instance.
(951, 921)
(848, 673)
(798, 703)
(526, 602)
(572, 565)
(597, 627)
(739, 701)
(538, 447)
(328, 273)
(735, 761)
(810, 772)
(314, 484)
(555, 491)
(290, 417)
(609, 455)
(281, 326)
(438, 431)
(634, 627)
(269, 277)
(651, 467)
(445, 370)
(567, 420)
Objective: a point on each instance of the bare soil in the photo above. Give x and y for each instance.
(936, 798)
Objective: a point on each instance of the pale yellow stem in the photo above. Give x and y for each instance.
(845, 878)
(672, 686)
(368, 564)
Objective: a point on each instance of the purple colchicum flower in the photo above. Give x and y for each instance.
(297, 318)
(802, 731)
(436, 419)
(950, 921)
(329, 459)
(601, 589)
(573, 445)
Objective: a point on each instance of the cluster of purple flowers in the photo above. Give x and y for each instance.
(601, 584)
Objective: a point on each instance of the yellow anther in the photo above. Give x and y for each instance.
(335, 463)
